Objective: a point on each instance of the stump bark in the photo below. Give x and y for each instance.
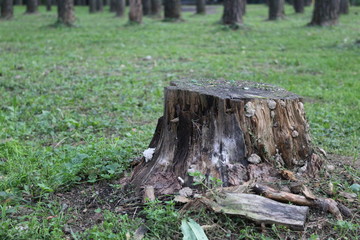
(233, 131)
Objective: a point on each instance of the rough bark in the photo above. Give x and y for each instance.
(233, 12)
(119, 8)
(156, 7)
(172, 10)
(66, 14)
(218, 129)
(344, 7)
(31, 6)
(146, 7)
(200, 6)
(243, 7)
(135, 14)
(7, 9)
(326, 13)
(299, 6)
(276, 9)
(99, 5)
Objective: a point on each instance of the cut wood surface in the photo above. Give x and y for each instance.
(225, 130)
(260, 209)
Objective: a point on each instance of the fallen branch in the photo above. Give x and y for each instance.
(325, 204)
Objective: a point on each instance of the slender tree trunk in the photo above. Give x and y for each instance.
(92, 6)
(48, 5)
(233, 12)
(156, 7)
(326, 13)
(31, 6)
(113, 5)
(299, 6)
(99, 5)
(243, 7)
(146, 7)
(276, 9)
(18, 2)
(200, 6)
(66, 14)
(344, 7)
(307, 3)
(119, 8)
(135, 14)
(172, 10)
(7, 9)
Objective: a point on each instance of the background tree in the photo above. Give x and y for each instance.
(18, 2)
(200, 6)
(7, 9)
(307, 3)
(31, 6)
(92, 6)
(172, 10)
(276, 9)
(156, 7)
(99, 5)
(135, 14)
(48, 5)
(299, 6)
(146, 7)
(119, 8)
(344, 7)
(233, 12)
(326, 13)
(112, 6)
(66, 14)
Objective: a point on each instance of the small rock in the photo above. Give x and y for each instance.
(271, 104)
(186, 192)
(148, 58)
(249, 109)
(330, 167)
(295, 134)
(254, 159)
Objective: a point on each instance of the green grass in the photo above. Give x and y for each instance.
(79, 104)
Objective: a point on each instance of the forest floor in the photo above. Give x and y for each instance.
(79, 105)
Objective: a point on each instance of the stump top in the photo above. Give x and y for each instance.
(233, 89)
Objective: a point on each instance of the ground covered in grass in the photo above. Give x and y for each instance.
(78, 105)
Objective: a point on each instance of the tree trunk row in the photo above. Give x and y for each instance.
(299, 6)
(7, 9)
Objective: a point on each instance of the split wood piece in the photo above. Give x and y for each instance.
(220, 128)
(325, 204)
(259, 209)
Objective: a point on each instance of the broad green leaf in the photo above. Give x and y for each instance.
(192, 230)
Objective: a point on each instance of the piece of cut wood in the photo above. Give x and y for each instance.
(259, 209)
(149, 194)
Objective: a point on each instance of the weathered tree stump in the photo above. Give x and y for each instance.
(225, 130)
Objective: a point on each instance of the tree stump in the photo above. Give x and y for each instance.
(233, 131)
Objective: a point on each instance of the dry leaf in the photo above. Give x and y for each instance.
(288, 175)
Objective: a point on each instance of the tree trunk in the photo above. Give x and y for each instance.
(48, 5)
(92, 6)
(234, 132)
(200, 6)
(7, 9)
(276, 9)
(233, 12)
(146, 7)
(344, 7)
(113, 4)
(299, 6)
(307, 3)
(135, 14)
(325, 13)
(119, 8)
(66, 12)
(18, 2)
(99, 5)
(172, 10)
(243, 7)
(156, 7)
(31, 6)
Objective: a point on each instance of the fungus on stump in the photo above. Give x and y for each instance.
(231, 131)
